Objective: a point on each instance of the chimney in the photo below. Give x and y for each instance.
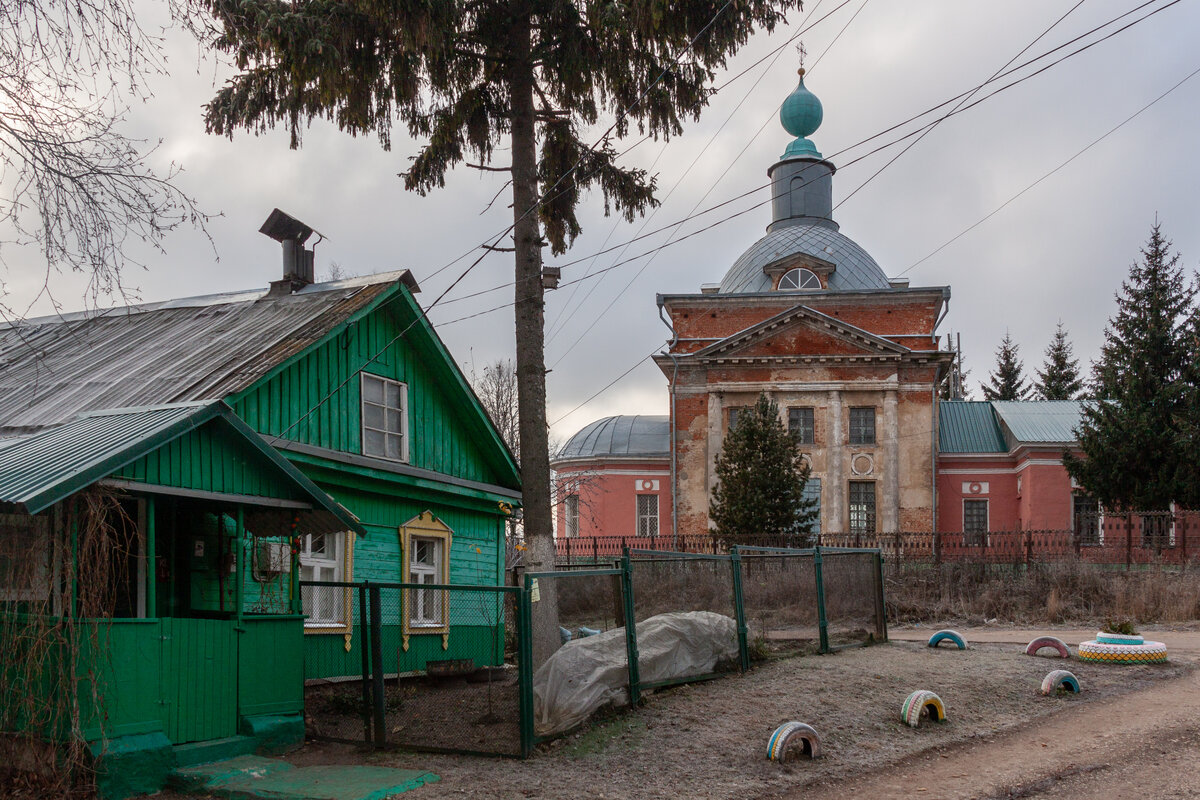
(291, 233)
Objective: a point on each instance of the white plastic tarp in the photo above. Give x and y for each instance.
(586, 674)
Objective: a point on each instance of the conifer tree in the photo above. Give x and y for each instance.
(761, 476)
(478, 78)
(1188, 472)
(1130, 433)
(1007, 381)
(1059, 378)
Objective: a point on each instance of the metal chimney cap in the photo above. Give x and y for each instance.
(283, 227)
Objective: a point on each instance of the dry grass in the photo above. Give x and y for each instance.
(1048, 593)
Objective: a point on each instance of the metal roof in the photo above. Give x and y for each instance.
(1034, 421)
(968, 427)
(43, 468)
(854, 267)
(622, 436)
(202, 348)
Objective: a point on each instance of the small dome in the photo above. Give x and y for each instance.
(801, 112)
(853, 267)
(638, 436)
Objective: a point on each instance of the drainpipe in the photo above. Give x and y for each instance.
(674, 464)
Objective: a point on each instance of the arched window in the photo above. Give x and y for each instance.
(799, 280)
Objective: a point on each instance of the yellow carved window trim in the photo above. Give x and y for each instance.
(425, 526)
(346, 628)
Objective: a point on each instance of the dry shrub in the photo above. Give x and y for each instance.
(1061, 592)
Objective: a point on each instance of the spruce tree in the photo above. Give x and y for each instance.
(477, 79)
(1188, 471)
(761, 476)
(1131, 431)
(1007, 381)
(1059, 379)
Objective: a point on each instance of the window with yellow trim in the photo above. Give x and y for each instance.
(426, 542)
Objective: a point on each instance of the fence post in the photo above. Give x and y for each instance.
(364, 646)
(937, 548)
(1028, 549)
(631, 648)
(822, 622)
(568, 540)
(377, 667)
(739, 608)
(595, 550)
(525, 666)
(880, 601)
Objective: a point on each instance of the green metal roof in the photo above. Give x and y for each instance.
(43, 468)
(1033, 421)
(968, 427)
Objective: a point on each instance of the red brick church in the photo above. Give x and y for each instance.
(854, 362)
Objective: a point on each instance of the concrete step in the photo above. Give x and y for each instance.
(187, 755)
(258, 778)
(204, 778)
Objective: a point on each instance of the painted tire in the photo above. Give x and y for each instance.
(919, 701)
(1118, 638)
(563, 634)
(1060, 679)
(789, 734)
(1145, 653)
(585, 632)
(953, 636)
(1042, 642)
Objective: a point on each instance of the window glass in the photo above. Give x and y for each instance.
(862, 425)
(384, 418)
(796, 279)
(322, 558)
(862, 507)
(572, 512)
(647, 515)
(801, 422)
(734, 411)
(975, 521)
(425, 566)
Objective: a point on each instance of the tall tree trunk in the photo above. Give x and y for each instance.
(530, 332)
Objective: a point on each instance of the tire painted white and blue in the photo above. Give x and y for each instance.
(1119, 638)
(790, 733)
(564, 634)
(1060, 679)
(948, 635)
(1042, 642)
(919, 701)
(585, 632)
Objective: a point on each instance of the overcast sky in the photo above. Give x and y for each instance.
(1059, 251)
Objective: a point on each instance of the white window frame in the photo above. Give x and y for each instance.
(571, 515)
(326, 567)
(805, 280)
(425, 608)
(387, 433)
(644, 520)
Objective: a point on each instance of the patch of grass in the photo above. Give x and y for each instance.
(624, 730)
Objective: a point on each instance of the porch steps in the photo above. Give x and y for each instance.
(258, 778)
(187, 755)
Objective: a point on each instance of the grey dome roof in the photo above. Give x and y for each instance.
(855, 269)
(624, 436)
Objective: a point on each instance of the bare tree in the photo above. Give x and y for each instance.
(497, 391)
(71, 183)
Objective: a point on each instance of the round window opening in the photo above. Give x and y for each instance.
(799, 280)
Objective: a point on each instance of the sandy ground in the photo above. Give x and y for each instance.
(1133, 731)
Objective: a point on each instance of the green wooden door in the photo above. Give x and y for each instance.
(199, 679)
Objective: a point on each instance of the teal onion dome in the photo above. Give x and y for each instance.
(801, 115)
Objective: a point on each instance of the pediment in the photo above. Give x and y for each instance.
(802, 331)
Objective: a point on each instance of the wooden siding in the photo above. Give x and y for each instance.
(440, 438)
(211, 459)
(199, 679)
(271, 666)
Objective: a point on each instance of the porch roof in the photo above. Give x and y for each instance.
(43, 468)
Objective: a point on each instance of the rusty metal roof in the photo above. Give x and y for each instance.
(204, 348)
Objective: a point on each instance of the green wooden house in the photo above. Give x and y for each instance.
(240, 443)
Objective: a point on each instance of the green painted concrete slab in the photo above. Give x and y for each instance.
(340, 782)
(205, 777)
(187, 755)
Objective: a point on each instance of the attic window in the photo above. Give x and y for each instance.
(384, 418)
(799, 279)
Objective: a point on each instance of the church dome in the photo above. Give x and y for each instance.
(854, 269)
(640, 436)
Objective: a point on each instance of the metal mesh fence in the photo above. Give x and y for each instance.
(435, 667)
(779, 591)
(666, 587)
(854, 609)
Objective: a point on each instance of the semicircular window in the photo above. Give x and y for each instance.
(799, 279)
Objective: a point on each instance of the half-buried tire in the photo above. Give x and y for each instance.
(922, 702)
(948, 635)
(1043, 642)
(1060, 679)
(791, 737)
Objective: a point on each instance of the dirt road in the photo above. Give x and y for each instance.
(1144, 744)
